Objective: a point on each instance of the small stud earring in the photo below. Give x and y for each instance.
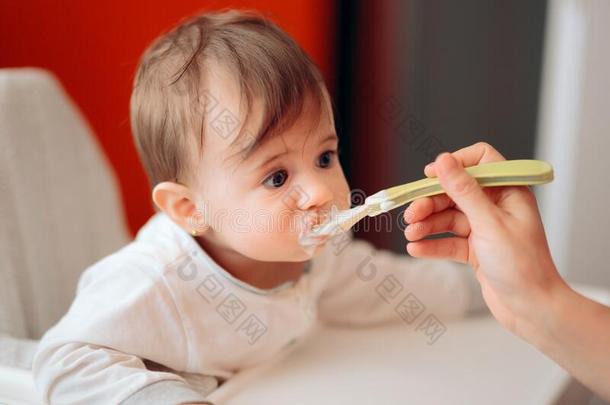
(194, 232)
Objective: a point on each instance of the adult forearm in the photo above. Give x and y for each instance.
(574, 331)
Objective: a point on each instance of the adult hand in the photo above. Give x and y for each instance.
(498, 231)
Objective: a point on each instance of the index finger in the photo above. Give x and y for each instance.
(480, 152)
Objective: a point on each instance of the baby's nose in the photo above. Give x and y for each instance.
(316, 196)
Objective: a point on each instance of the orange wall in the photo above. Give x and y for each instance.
(93, 47)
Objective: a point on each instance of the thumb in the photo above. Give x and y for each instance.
(464, 190)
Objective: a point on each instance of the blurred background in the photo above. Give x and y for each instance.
(409, 80)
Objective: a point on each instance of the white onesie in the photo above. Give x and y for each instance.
(160, 322)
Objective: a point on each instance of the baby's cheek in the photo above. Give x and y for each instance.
(267, 246)
(344, 199)
(278, 228)
(288, 223)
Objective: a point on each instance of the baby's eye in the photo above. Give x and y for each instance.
(326, 158)
(276, 179)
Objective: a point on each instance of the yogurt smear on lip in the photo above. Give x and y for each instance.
(307, 237)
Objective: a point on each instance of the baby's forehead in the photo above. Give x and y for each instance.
(249, 149)
(223, 104)
(241, 123)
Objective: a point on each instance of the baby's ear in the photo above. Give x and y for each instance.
(178, 203)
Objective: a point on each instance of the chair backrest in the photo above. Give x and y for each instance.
(60, 209)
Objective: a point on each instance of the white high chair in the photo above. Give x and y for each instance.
(60, 212)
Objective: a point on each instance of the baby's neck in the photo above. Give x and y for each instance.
(264, 275)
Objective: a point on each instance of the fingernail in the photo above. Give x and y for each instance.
(439, 155)
(408, 215)
(448, 165)
(451, 161)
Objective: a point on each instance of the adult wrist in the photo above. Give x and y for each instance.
(540, 320)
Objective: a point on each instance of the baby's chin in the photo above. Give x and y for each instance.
(289, 251)
(313, 250)
(302, 253)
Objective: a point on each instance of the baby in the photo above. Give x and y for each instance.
(235, 129)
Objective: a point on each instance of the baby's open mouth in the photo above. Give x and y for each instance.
(307, 237)
(308, 240)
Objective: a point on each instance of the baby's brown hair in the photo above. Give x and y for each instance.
(170, 107)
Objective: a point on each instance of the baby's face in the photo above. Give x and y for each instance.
(258, 206)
